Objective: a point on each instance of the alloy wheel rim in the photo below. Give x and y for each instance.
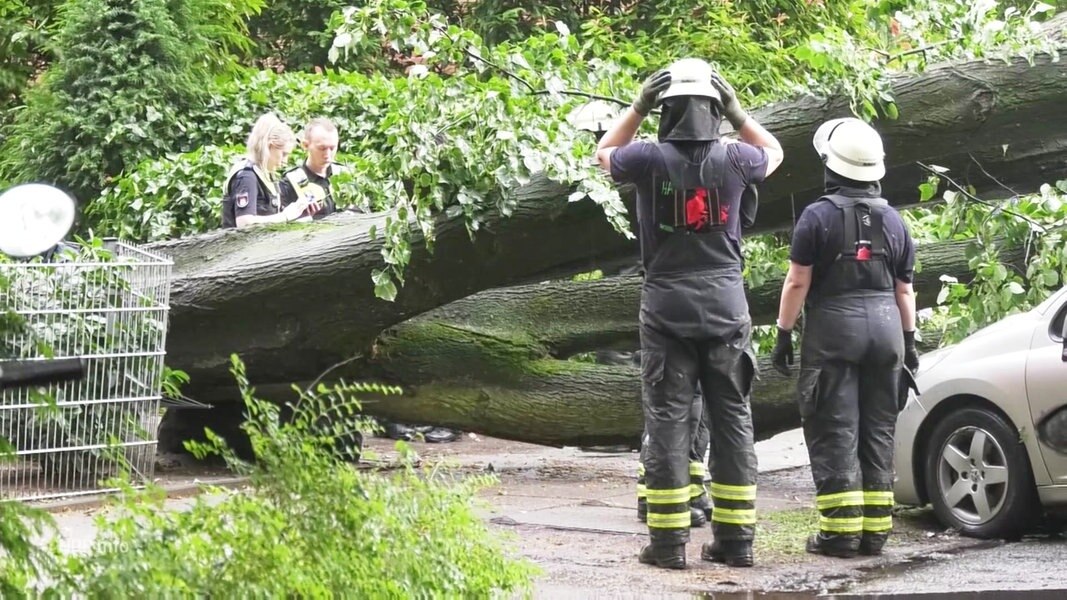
(972, 475)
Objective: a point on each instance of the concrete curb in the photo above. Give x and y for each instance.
(172, 491)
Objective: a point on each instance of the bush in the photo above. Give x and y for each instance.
(23, 37)
(165, 198)
(311, 525)
(127, 74)
(292, 33)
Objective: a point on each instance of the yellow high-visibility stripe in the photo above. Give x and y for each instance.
(839, 500)
(675, 496)
(841, 525)
(696, 469)
(695, 491)
(640, 469)
(668, 521)
(733, 492)
(734, 516)
(642, 491)
(877, 524)
(878, 498)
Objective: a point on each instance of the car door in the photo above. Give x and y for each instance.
(1046, 381)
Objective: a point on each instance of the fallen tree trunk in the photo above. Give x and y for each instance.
(493, 363)
(293, 301)
(569, 317)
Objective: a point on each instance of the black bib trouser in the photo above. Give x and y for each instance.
(848, 391)
(700, 437)
(695, 327)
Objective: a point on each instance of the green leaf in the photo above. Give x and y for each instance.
(926, 191)
(943, 294)
(384, 287)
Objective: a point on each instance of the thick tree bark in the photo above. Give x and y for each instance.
(1004, 115)
(491, 363)
(508, 387)
(294, 300)
(569, 317)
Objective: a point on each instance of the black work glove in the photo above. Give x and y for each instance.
(911, 355)
(782, 356)
(731, 107)
(649, 96)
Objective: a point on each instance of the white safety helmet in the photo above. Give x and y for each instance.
(851, 148)
(691, 77)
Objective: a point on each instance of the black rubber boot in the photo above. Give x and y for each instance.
(735, 553)
(664, 557)
(697, 517)
(841, 546)
(642, 510)
(399, 431)
(704, 505)
(871, 544)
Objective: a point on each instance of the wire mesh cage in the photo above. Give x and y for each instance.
(110, 309)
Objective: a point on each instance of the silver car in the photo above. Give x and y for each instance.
(966, 444)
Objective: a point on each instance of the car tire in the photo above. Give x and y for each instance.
(978, 475)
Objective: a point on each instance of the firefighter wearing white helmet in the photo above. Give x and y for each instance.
(694, 319)
(851, 265)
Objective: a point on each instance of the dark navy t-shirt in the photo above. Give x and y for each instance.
(820, 233)
(642, 163)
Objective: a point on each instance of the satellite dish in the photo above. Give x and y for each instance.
(33, 218)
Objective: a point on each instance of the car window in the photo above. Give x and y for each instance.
(1055, 328)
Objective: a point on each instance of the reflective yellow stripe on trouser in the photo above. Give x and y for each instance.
(877, 511)
(668, 509)
(734, 504)
(696, 480)
(840, 513)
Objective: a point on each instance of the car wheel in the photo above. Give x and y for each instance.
(978, 475)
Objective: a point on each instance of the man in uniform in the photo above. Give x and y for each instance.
(311, 180)
(695, 324)
(851, 265)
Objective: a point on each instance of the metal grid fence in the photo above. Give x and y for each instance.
(68, 439)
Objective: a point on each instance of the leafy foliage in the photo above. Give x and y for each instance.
(24, 28)
(24, 559)
(311, 525)
(292, 33)
(125, 77)
(117, 94)
(471, 120)
(166, 198)
(999, 288)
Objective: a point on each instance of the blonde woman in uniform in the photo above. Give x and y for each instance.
(250, 193)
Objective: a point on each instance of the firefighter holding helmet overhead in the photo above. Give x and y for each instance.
(694, 318)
